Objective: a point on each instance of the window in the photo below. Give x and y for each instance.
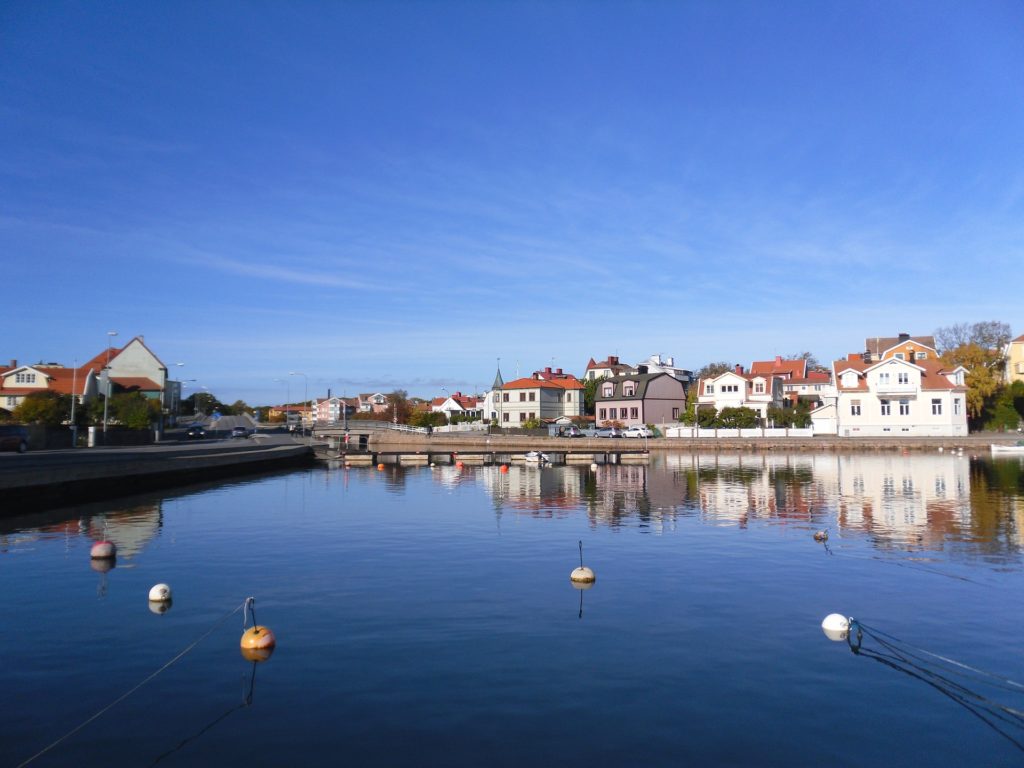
(759, 387)
(675, 414)
(886, 407)
(898, 355)
(568, 397)
(533, 416)
(936, 407)
(634, 413)
(533, 396)
(628, 389)
(920, 355)
(855, 407)
(522, 416)
(607, 390)
(904, 407)
(25, 378)
(504, 397)
(709, 389)
(504, 417)
(903, 377)
(883, 378)
(601, 413)
(12, 401)
(956, 406)
(623, 412)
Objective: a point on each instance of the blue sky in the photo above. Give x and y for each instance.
(386, 195)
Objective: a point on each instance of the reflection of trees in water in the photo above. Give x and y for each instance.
(997, 506)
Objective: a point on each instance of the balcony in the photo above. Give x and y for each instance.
(895, 388)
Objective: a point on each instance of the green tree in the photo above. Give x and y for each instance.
(590, 395)
(134, 410)
(48, 408)
(742, 417)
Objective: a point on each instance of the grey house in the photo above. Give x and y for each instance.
(639, 398)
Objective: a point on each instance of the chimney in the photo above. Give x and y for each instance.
(739, 369)
(778, 361)
(904, 337)
(613, 359)
(548, 370)
(641, 369)
(14, 363)
(558, 371)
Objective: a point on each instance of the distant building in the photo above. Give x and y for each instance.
(656, 364)
(1015, 360)
(902, 347)
(606, 368)
(739, 389)
(544, 396)
(468, 406)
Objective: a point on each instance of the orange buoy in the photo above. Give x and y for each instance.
(258, 638)
(102, 550)
(504, 469)
(459, 465)
(257, 655)
(380, 466)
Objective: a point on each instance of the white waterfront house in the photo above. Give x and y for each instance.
(896, 397)
(737, 389)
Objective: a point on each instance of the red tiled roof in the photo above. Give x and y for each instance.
(529, 383)
(794, 369)
(932, 374)
(1019, 338)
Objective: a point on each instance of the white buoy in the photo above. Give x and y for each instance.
(940, 449)
(160, 593)
(160, 608)
(593, 466)
(835, 626)
(582, 575)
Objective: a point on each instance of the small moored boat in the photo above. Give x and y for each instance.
(1009, 450)
(536, 457)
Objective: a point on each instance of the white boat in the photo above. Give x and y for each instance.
(536, 457)
(1009, 450)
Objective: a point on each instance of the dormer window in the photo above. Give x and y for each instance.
(709, 389)
(607, 390)
(759, 387)
(628, 389)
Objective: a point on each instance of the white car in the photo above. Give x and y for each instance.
(637, 431)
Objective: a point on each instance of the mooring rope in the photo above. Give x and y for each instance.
(896, 654)
(128, 693)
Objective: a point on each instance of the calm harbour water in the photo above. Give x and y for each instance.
(425, 617)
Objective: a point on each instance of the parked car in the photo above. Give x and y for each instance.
(13, 438)
(608, 432)
(239, 432)
(570, 432)
(637, 430)
(195, 432)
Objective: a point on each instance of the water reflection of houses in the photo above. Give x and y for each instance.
(543, 492)
(131, 529)
(918, 500)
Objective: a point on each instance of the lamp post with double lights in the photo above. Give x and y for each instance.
(305, 396)
(106, 369)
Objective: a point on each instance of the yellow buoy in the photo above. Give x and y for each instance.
(258, 638)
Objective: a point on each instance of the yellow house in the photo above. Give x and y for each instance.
(1015, 360)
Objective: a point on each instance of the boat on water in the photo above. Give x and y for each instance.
(1009, 450)
(536, 457)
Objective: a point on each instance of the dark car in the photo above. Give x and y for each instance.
(195, 432)
(608, 432)
(239, 432)
(13, 438)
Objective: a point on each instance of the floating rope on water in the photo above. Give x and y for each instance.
(938, 671)
(132, 690)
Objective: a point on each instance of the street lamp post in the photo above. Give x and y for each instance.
(106, 367)
(305, 395)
